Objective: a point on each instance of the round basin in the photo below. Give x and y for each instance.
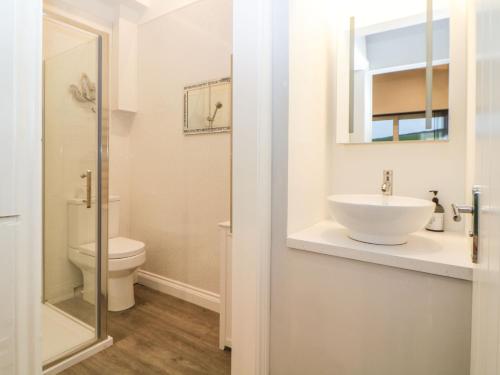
(380, 219)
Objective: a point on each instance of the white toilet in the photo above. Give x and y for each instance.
(125, 256)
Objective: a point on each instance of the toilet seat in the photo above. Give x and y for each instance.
(118, 248)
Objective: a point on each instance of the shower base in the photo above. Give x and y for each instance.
(61, 333)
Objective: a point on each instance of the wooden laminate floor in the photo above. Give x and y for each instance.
(159, 335)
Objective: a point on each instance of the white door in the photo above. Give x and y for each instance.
(8, 209)
(20, 186)
(486, 295)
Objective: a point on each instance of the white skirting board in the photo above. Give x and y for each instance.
(79, 357)
(186, 292)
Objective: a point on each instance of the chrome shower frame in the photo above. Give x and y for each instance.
(101, 329)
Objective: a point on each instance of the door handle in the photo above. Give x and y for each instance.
(474, 211)
(475, 227)
(88, 176)
(459, 209)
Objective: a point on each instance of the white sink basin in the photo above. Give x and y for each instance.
(379, 219)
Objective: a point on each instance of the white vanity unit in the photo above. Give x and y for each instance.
(412, 300)
(225, 285)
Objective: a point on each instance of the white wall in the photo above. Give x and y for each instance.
(406, 46)
(95, 13)
(418, 167)
(309, 135)
(158, 8)
(119, 165)
(318, 166)
(104, 12)
(180, 184)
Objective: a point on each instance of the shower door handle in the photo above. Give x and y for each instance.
(88, 176)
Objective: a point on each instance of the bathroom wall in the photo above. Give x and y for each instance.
(160, 7)
(119, 164)
(180, 184)
(418, 167)
(309, 145)
(357, 168)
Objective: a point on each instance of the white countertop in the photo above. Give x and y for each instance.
(445, 254)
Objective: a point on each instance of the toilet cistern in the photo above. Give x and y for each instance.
(387, 184)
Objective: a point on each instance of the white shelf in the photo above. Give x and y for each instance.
(444, 254)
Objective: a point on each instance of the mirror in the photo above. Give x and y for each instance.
(207, 107)
(397, 75)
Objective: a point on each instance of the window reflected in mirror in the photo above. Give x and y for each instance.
(398, 104)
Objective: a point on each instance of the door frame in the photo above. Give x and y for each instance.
(252, 137)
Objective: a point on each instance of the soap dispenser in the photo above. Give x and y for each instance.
(436, 223)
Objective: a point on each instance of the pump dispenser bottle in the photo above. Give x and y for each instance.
(436, 223)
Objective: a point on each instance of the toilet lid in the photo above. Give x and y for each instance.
(119, 247)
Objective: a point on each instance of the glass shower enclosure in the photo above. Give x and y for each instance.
(75, 188)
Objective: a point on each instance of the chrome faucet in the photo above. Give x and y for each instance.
(387, 184)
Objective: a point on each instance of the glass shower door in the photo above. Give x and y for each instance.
(72, 201)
